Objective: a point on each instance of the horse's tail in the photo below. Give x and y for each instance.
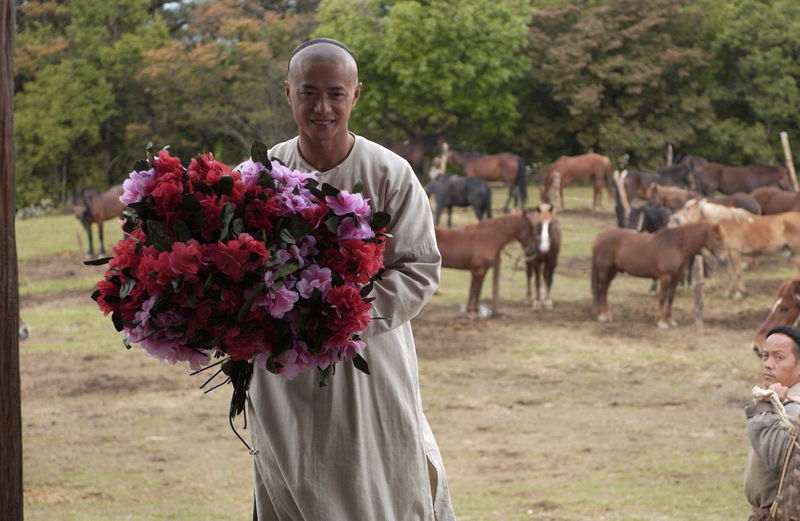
(522, 181)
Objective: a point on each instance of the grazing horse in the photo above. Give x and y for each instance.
(664, 255)
(775, 200)
(732, 179)
(637, 183)
(541, 258)
(477, 247)
(506, 167)
(416, 150)
(95, 207)
(450, 190)
(748, 235)
(784, 312)
(570, 169)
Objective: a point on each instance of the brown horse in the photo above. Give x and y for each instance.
(775, 200)
(95, 207)
(477, 247)
(664, 255)
(506, 167)
(785, 312)
(542, 255)
(732, 179)
(676, 198)
(571, 169)
(416, 150)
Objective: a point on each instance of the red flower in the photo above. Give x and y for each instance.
(124, 255)
(165, 163)
(107, 288)
(256, 217)
(315, 214)
(154, 270)
(167, 196)
(184, 259)
(366, 259)
(211, 209)
(352, 313)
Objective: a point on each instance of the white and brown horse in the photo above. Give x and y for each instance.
(541, 258)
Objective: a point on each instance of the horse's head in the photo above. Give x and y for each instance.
(543, 217)
(80, 204)
(691, 212)
(785, 312)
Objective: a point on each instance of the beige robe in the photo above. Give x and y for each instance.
(361, 448)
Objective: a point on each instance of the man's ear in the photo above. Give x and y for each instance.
(286, 92)
(357, 93)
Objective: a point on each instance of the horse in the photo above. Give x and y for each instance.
(670, 197)
(451, 190)
(541, 258)
(636, 183)
(664, 255)
(95, 207)
(676, 175)
(416, 150)
(732, 179)
(775, 200)
(507, 167)
(748, 235)
(702, 209)
(569, 169)
(784, 312)
(477, 247)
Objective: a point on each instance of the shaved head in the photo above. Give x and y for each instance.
(322, 50)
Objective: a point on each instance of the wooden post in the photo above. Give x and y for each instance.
(10, 413)
(669, 155)
(556, 187)
(787, 153)
(619, 180)
(698, 274)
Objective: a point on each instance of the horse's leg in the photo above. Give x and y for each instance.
(736, 289)
(100, 236)
(496, 282)
(663, 301)
(538, 271)
(449, 216)
(88, 228)
(601, 280)
(549, 269)
(475, 289)
(528, 273)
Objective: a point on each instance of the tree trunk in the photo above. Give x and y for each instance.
(10, 415)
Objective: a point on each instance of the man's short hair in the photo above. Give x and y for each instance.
(316, 41)
(791, 332)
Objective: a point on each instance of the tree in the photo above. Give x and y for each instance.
(621, 76)
(428, 66)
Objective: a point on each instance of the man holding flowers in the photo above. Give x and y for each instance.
(361, 448)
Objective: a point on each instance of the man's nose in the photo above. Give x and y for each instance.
(323, 104)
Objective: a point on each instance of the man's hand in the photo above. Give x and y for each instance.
(781, 390)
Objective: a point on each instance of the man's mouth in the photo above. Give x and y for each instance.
(323, 122)
(767, 376)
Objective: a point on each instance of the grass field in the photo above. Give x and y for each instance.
(545, 415)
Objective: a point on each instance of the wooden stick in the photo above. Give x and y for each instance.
(619, 180)
(787, 153)
(698, 292)
(669, 155)
(556, 187)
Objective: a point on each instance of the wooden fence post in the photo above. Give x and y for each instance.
(669, 155)
(787, 153)
(10, 413)
(698, 274)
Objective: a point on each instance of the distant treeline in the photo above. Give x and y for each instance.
(95, 80)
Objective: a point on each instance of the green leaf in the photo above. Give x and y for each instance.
(190, 203)
(325, 376)
(126, 288)
(332, 223)
(290, 266)
(286, 236)
(249, 302)
(365, 290)
(98, 262)
(358, 188)
(298, 227)
(224, 185)
(330, 190)
(182, 232)
(261, 235)
(260, 154)
(150, 150)
(380, 220)
(238, 226)
(142, 165)
(116, 319)
(225, 222)
(361, 364)
(265, 179)
(157, 236)
(177, 284)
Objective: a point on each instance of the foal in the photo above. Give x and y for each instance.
(542, 255)
(477, 247)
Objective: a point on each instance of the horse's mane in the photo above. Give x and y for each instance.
(722, 211)
(677, 236)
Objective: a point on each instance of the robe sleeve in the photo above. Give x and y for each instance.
(411, 259)
(768, 437)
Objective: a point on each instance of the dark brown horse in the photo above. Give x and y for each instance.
(774, 200)
(784, 312)
(95, 207)
(664, 255)
(541, 258)
(416, 150)
(477, 247)
(732, 179)
(570, 169)
(506, 167)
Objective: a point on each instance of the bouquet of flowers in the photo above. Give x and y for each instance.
(260, 267)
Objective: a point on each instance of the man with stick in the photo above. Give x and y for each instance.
(360, 449)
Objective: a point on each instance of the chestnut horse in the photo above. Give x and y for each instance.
(775, 200)
(570, 169)
(477, 247)
(541, 258)
(664, 255)
(506, 167)
(784, 312)
(416, 150)
(675, 198)
(732, 179)
(95, 207)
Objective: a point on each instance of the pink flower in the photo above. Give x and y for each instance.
(345, 203)
(290, 178)
(278, 301)
(251, 172)
(137, 186)
(353, 348)
(172, 350)
(295, 361)
(313, 278)
(289, 203)
(349, 230)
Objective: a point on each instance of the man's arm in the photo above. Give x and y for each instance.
(768, 437)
